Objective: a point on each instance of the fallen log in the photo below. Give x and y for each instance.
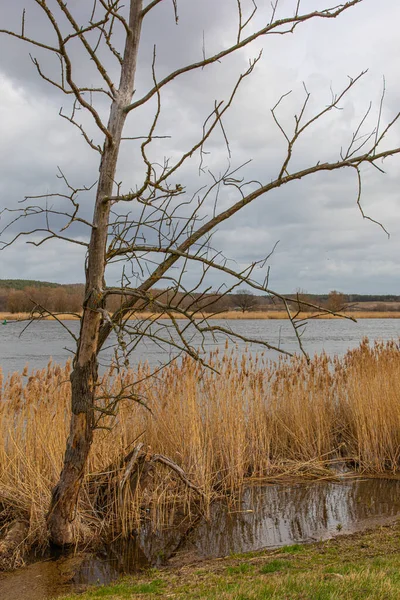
(129, 472)
(164, 460)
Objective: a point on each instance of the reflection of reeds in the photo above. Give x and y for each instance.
(255, 419)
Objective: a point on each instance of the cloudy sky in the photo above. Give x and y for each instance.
(324, 243)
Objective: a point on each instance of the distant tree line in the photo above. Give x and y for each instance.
(22, 295)
(58, 298)
(25, 295)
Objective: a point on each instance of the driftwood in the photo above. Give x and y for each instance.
(147, 464)
(164, 460)
(132, 462)
(136, 469)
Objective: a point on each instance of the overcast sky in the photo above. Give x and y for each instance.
(324, 243)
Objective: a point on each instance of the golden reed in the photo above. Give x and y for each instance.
(252, 420)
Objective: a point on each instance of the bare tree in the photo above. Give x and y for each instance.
(157, 228)
(244, 300)
(336, 301)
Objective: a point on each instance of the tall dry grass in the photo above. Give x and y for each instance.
(255, 419)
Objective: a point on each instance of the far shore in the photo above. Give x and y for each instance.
(229, 315)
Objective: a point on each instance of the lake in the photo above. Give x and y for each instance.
(45, 339)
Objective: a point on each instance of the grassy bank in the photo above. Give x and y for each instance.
(254, 420)
(230, 315)
(359, 566)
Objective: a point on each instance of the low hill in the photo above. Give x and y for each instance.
(21, 284)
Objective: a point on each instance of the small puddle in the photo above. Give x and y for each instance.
(266, 516)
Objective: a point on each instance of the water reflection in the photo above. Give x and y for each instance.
(276, 515)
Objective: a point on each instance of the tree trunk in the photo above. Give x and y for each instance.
(84, 375)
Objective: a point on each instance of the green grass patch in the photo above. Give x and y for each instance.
(292, 549)
(126, 590)
(274, 566)
(241, 568)
(350, 567)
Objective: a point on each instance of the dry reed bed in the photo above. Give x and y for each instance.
(255, 419)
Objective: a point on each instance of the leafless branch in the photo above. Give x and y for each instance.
(272, 27)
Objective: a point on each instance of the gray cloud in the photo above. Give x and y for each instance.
(323, 241)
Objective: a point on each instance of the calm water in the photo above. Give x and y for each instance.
(277, 515)
(46, 339)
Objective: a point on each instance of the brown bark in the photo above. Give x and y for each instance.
(84, 375)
